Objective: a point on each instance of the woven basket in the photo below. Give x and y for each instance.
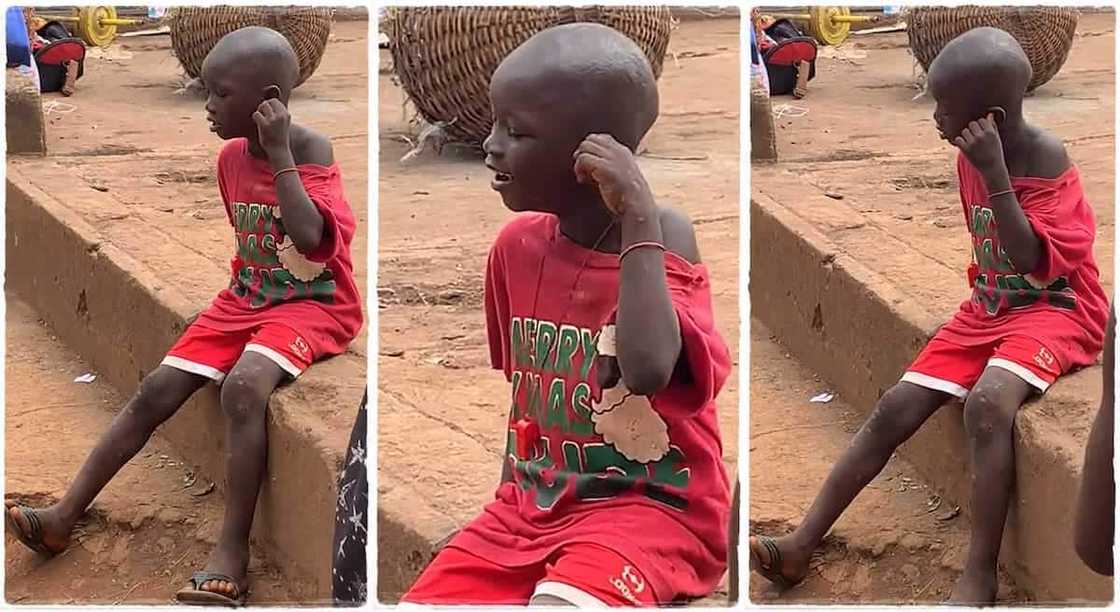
(444, 56)
(1045, 33)
(195, 31)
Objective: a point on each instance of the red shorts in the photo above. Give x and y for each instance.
(583, 574)
(954, 369)
(212, 353)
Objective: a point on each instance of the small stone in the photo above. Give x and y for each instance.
(878, 548)
(120, 551)
(450, 296)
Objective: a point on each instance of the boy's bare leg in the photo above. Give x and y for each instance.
(71, 78)
(1095, 525)
(899, 413)
(161, 394)
(245, 395)
(989, 419)
(802, 86)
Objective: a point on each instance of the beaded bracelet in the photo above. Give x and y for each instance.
(995, 195)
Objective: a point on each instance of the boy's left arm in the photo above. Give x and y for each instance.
(649, 335)
(980, 143)
(302, 220)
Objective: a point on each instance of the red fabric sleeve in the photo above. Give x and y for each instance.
(497, 313)
(324, 188)
(225, 160)
(1063, 225)
(707, 355)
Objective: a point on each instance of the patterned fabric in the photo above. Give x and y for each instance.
(348, 575)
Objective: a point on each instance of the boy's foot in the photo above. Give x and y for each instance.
(222, 583)
(776, 560)
(974, 589)
(39, 530)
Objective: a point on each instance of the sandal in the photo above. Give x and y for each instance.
(33, 537)
(770, 570)
(195, 595)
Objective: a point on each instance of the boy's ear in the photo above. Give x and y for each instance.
(271, 91)
(1000, 114)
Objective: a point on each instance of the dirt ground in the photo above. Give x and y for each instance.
(898, 543)
(128, 134)
(438, 217)
(864, 159)
(148, 531)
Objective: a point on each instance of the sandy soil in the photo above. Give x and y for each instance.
(438, 217)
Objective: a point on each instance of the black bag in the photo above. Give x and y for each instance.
(782, 60)
(51, 60)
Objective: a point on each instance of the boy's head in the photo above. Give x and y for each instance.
(245, 68)
(548, 95)
(981, 71)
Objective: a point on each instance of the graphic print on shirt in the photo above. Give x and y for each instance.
(271, 269)
(997, 284)
(607, 446)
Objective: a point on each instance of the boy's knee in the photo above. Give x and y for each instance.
(158, 391)
(891, 416)
(988, 413)
(243, 395)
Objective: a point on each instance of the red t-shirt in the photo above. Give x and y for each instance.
(1060, 303)
(271, 282)
(643, 477)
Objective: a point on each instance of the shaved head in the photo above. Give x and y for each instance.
(260, 55)
(593, 73)
(983, 67)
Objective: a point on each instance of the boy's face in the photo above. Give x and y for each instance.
(531, 143)
(230, 102)
(958, 102)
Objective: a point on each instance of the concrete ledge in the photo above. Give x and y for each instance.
(112, 310)
(23, 108)
(858, 331)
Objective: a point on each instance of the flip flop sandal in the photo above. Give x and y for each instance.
(770, 570)
(196, 596)
(33, 538)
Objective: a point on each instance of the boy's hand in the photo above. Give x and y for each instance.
(980, 143)
(603, 161)
(273, 122)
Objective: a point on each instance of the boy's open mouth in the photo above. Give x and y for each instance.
(500, 180)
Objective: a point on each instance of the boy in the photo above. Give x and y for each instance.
(291, 300)
(599, 313)
(1037, 308)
